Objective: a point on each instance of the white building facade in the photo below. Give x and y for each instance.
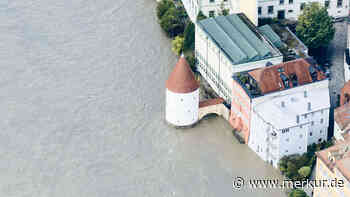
(291, 9)
(286, 122)
(182, 108)
(215, 7)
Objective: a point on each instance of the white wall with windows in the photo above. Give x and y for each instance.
(208, 7)
(291, 9)
(278, 129)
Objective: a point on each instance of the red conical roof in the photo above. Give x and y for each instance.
(181, 79)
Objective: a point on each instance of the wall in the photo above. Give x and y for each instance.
(213, 65)
(192, 8)
(333, 10)
(323, 173)
(182, 109)
(240, 110)
(249, 8)
(207, 6)
(219, 109)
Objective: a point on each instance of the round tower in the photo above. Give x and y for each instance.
(182, 95)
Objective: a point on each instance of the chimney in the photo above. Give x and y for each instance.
(298, 119)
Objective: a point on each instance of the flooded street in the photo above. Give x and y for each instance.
(82, 92)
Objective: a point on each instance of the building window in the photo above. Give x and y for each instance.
(305, 115)
(291, 2)
(340, 3)
(310, 133)
(211, 13)
(302, 6)
(270, 9)
(259, 10)
(290, 11)
(301, 126)
(281, 2)
(285, 130)
(321, 120)
(287, 139)
(320, 140)
(326, 4)
(312, 123)
(212, 1)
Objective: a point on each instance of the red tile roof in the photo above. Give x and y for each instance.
(342, 116)
(181, 79)
(269, 80)
(342, 164)
(345, 90)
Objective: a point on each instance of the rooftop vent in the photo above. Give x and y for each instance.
(313, 72)
(294, 78)
(269, 64)
(285, 80)
(280, 69)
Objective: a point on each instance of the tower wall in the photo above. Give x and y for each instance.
(182, 108)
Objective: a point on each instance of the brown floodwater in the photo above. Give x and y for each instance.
(82, 109)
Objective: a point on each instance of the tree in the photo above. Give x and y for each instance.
(201, 16)
(172, 22)
(315, 27)
(222, 10)
(177, 45)
(297, 193)
(304, 171)
(192, 62)
(189, 35)
(163, 6)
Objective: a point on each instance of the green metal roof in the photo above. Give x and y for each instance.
(271, 35)
(235, 38)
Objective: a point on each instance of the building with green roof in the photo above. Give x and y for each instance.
(229, 44)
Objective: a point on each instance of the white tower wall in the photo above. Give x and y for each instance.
(182, 108)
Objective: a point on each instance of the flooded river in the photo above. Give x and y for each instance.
(82, 109)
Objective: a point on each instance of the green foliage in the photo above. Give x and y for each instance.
(223, 11)
(172, 18)
(304, 171)
(192, 62)
(177, 45)
(297, 193)
(163, 6)
(189, 35)
(172, 23)
(201, 16)
(299, 167)
(315, 27)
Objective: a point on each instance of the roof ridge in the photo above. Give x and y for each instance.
(234, 41)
